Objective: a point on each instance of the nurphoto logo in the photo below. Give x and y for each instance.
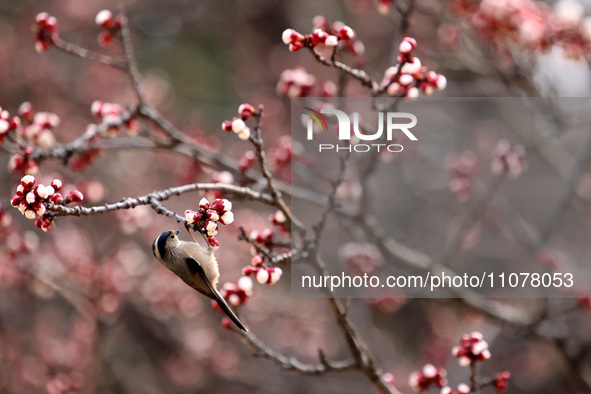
(395, 122)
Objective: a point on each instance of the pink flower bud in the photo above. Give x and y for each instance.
(257, 261)
(248, 270)
(290, 36)
(28, 181)
(57, 198)
(245, 110)
(41, 19)
(213, 215)
(105, 38)
(227, 323)
(56, 184)
(227, 125)
(463, 388)
(190, 216)
(15, 201)
(74, 196)
(203, 203)
(296, 46)
(40, 209)
(51, 24)
(213, 242)
(26, 111)
(346, 33)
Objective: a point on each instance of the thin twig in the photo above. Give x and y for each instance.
(77, 50)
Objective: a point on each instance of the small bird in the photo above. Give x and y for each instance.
(194, 264)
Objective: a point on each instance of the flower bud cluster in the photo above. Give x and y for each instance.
(280, 220)
(463, 168)
(280, 157)
(501, 382)
(38, 127)
(327, 34)
(263, 275)
(361, 258)
(237, 124)
(5, 218)
(222, 177)
(208, 217)
(508, 159)
(529, 25)
(111, 118)
(296, 82)
(247, 160)
(427, 376)
(33, 200)
(385, 6)
(409, 78)
(239, 293)
(463, 388)
(111, 26)
(472, 348)
(46, 28)
(7, 124)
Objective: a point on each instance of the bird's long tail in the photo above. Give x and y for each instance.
(229, 312)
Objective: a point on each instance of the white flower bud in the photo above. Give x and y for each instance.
(464, 361)
(234, 300)
(262, 276)
(331, 41)
(286, 36)
(245, 284)
(429, 371)
(238, 125)
(227, 204)
(28, 179)
(406, 79)
(244, 134)
(203, 203)
(42, 192)
(30, 214)
(405, 47)
(4, 125)
(103, 18)
(227, 218)
(40, 210)
(280, 217)
(212, 228)
(441, 82)
(31, 197)
(276, 275)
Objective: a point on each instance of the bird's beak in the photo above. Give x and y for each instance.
(177, 232)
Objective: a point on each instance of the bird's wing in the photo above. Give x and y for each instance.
(203, 285)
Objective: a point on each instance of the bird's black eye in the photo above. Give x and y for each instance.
(172, 236)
